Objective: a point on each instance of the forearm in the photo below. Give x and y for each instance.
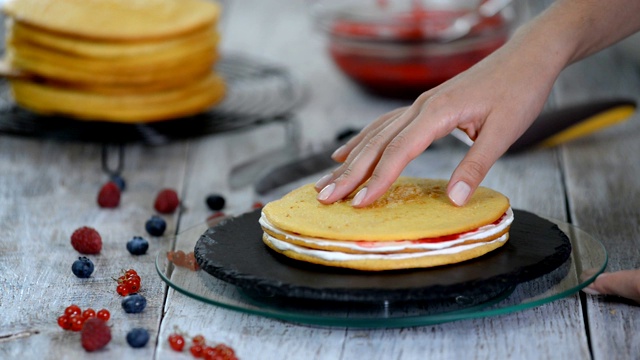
(574, 29)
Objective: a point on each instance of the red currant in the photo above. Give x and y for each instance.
(176, 341)
(72, 309)
(196, 351)
(132, 285)
(63, 322)
(198, 340)
(210, 353)
(77, 321)
(226, 351)
(104, 314)
(130, 272)
(89, 313)
(122, 290)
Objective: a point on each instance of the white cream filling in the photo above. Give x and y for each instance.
(396, 246)
(340, 256)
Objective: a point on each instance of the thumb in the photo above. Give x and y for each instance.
(472, 169)
(624, 283)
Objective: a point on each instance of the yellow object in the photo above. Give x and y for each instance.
(115, 20)
(125, 108)
(131, 61)
(412, 208)
(590, 125)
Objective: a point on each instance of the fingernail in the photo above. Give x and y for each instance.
(357, 200)
(459, 193)
(322, 182)
(338, 151)
(590, 291)
(327, 191)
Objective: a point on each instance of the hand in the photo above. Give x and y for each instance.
(624, 283)
(493, 102)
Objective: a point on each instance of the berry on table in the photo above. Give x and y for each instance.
(109, 195)
(103, 314)
(155, 226)
(89, 313)
(72, 309)
(77, 321)
(86, 240)
(83, 267)
(95, 334)
(134, 303)
(129, 283)
(166, 201)
(137, 337)
(137, 245)
(119, 181)
(64, 322)
(215, 202)
(176, 341)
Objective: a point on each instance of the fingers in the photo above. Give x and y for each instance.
(625, 283)
(362, 160)
(476, 164)
(342, 152)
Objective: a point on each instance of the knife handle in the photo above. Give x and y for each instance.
(560, 126)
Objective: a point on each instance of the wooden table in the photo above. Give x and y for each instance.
(48, 189)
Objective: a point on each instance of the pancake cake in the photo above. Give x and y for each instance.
(413, 225)
(129, 61)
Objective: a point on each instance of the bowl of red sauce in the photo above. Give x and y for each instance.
(394, 48)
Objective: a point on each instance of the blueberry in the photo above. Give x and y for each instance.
(137, 337)
(215, 202)
(155, 226)
(137, 245)
(119, 181)
(134, 303)
(83, 267)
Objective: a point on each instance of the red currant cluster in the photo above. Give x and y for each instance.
(73, 318)
(128, 283)
(200, 349)
(180, 258)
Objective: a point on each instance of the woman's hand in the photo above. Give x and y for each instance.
(625, 283)
(493, 102)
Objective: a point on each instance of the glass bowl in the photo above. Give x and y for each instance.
(394, 48)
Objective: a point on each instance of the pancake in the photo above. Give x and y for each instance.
(128, 108)
(116, 20)
(412, 225)
(113, 60)
(23, 33)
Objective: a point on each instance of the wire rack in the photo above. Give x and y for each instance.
(258, 92)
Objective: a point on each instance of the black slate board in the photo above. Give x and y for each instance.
(233, 251)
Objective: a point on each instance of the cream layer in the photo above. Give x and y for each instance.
(340, 256)
(399, 245)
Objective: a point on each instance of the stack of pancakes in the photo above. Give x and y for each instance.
(114, 60)
(413, 225)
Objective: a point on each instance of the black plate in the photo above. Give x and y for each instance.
(233, 251)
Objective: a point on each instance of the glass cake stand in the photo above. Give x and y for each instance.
(588, 256)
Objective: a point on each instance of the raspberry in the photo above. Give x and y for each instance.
(109, 195)
(83, 267)
(166, 201)
(95, 334)
(86, 240)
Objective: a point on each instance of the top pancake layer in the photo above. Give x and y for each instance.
(411, 209)
(116, 20)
